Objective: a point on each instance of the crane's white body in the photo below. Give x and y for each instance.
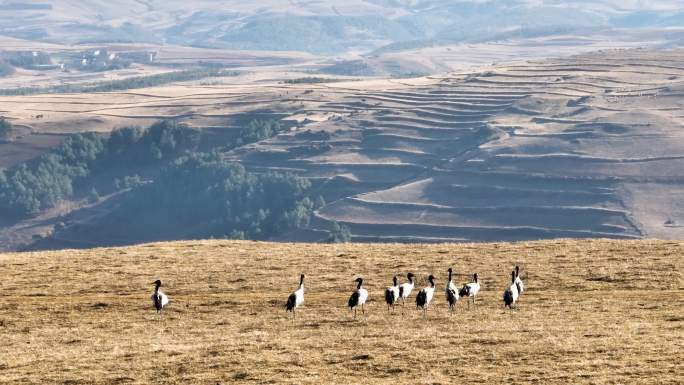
(519, 284)
(473, 289)
(299, 296)
(163, 299)
(406, 289)
(363, 296)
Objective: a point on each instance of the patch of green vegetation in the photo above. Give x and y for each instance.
(166, 186)
(257, 130)
(42, 183)
(202, 195)
(339, 233)
(122, 84)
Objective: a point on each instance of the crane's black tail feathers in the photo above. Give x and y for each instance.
(421, 298)
(157, 302)
(354, 299)
(465, 291)
(451, 298)
(389, 297)
(291, 301)
(508, 298)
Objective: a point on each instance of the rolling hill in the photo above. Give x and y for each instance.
(583, 146)
(324, 27)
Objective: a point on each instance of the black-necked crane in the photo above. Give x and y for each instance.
(470, 290)
(451, 293)
(392, 294)
(296, 298)
(406, 288)
(424, 296)
(159, 299)
(510, 296)
(358, 297)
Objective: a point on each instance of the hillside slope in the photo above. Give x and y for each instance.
(599, 312)
(584, 146)
(587, 146)
(322, 26)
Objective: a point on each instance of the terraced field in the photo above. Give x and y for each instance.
(586, 146)
(589, 146)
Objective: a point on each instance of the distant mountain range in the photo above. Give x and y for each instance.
(323, 27)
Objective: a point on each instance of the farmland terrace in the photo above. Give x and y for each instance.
(586, 146)
(590, 146)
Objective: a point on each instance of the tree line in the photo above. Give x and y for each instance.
(121, 84)
(166, 187)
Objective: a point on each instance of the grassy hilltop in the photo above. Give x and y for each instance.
(595, 311)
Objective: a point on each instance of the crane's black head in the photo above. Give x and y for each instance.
(475, 277)
(156, 283)
(358, 280)
(394, 280)
(450, 270)
(301, 279)
(517, 271)
(431, 278)
(410, 275)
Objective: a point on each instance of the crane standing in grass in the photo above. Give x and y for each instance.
(358, 297)
(159, 299)
(406, 288)
(296, 298)
(451, 293)
(424, 296)
(392, 294)
(510, 296)
(470, 290)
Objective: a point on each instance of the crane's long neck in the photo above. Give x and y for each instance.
(410, 279)
(475, 278)
(394, 281)
(156, 288)
(301, 281)
(449, 275)
(517, 271)
(432, 282)
(358, 286)
(513, 277)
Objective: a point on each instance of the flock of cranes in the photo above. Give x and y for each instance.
(393, 294)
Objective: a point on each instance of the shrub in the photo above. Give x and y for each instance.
(339, 233)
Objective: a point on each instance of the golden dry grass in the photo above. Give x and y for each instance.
(603, 312)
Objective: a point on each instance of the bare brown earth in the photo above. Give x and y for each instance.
(594, 312)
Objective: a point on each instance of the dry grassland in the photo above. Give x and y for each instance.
(601, 312)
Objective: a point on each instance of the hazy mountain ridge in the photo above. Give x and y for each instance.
(319, 27)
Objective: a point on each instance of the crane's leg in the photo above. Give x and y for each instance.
(363, 310)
